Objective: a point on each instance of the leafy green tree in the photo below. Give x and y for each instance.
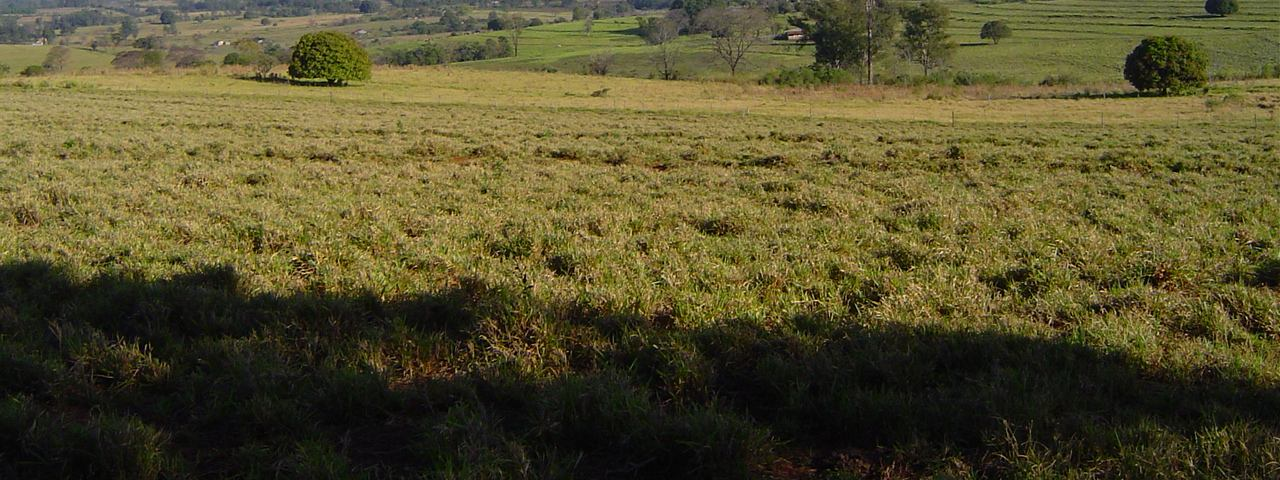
(32, 71)
(995, 30)
(167, 17)
(924, 36)
(333, 56)
(850, 34)
(694, 7)
(1221, 8)
(128, 28)
(57, 59)
(1168, 64)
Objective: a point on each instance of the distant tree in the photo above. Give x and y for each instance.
(369, 6)
(152, 59)
(427, 53)
(995, 30)
(600, 63)
(1221, 8)
(32, 71)
(851, 34)
(333, 56)
(135, 59)
(171, 29)
(694, 7)
(1168, 64)
(515, 28)
(167, 17)
(661, 32)
(265, 22)
(924, 36)
(185, 57)
(57, 59)
(735, 31)
(148, 43)
(586, 25)
(580, 13)
(128, 28)
(249, 52)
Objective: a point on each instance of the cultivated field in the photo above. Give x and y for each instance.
(447, 273)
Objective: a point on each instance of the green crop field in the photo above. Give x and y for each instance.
(452, 273)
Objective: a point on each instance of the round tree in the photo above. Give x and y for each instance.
(1167, 64)
(1221, 7)
(331, 56)
(995, 31)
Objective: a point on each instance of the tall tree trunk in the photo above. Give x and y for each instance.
(870, 34)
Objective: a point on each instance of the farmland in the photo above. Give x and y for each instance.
(455, 273)
(1084, 41)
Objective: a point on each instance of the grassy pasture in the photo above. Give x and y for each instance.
(1084, 39)
(1090, 38)
(459, 274)
(18, 57)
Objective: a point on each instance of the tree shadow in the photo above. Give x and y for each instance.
(195, 375)
(278, 79)
(1092, 95)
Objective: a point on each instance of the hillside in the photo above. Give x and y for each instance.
(1082, 41)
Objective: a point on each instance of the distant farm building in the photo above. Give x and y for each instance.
(792, 35)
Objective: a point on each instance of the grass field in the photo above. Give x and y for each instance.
(449, 273)
(1090, 38)
(18, 57)
(1084, 40)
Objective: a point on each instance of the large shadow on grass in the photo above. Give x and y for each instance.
(192, 375)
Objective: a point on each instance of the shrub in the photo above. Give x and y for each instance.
(1221, 8)
(1061, 79)
(57, 59)
(810, 76)
(599, 64)
(332, 56)
(32, 71)
(427, 53)
(135, 59)
(236, 58)
(995, 30)
(4, 69)
(183, 57)
(1168, 64)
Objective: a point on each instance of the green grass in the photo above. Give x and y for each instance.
(18, 57)
(1086, 40)
(1083, 40)
(454, 274)
(1089, 39)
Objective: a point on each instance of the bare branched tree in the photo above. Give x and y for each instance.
(661, 33)
(735, 31)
